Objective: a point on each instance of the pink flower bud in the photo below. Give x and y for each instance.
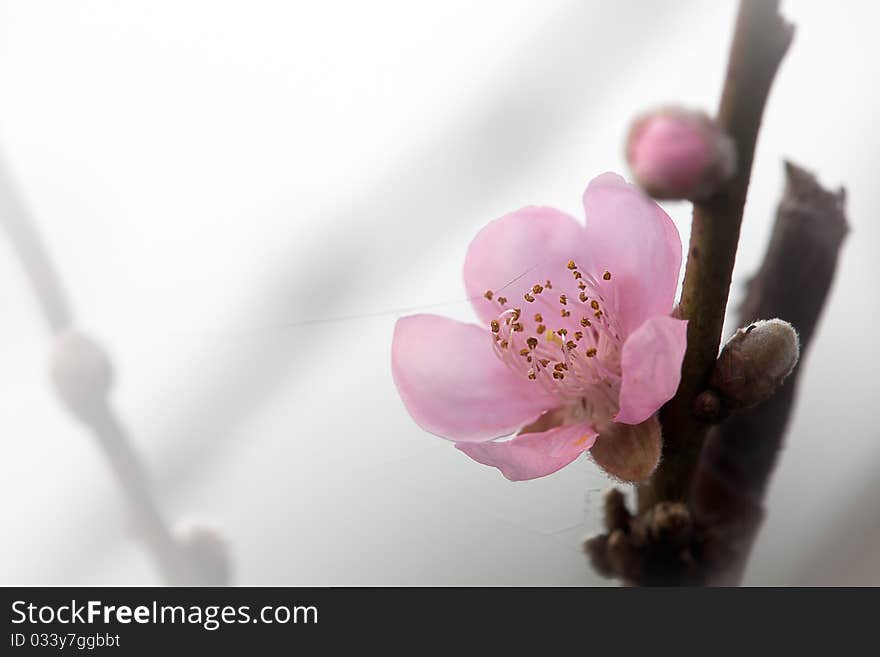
(679, 154)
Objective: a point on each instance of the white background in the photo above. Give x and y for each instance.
(210, 174)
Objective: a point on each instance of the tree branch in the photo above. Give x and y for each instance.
(739, 456)
(761, 39)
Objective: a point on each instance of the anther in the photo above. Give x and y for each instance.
(577, 275)
(594, 304)
(563, 299)
(532, 374)
(488, 294)
(583, 297)
(591, 352)
(582, 285)
(517, 327)
(532, 342)
(502, 300)
(558, 375)
(528, 297)
(523, 352)
(571, 264)
(561, 331)
(606, 276)
(538, 318)
(585, 322)
(495, 326)
(548, 285)
(541, 328)
(516, 313)
(570, 345)
(578, 335)
(564, 313)
(537, 289)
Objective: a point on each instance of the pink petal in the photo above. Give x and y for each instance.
(651, 367)
(509, 255)
(632, 237)
(454, 386)
(533, 455)
(629, 452)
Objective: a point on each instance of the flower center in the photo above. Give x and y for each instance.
(566, 341)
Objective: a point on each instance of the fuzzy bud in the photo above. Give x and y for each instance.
(676, 153)
(81, 371)
(669, 524)
(755, 362)
(628, 452)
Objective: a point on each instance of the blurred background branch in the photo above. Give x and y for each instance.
(83, 374)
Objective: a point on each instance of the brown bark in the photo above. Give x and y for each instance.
(761, 39)
(793, 283)
(708, 541)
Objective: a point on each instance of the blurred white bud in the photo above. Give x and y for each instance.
(206, 555)
(676, 153)
(755, 362)
(81, 372)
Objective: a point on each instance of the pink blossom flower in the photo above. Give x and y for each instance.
(576, 343)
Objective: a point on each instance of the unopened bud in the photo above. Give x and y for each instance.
(669, 524)
(81, 371)
(622, 556)
(206, 555)
(755, 362)
(676, 153)
(596, 548)
(617, 516)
